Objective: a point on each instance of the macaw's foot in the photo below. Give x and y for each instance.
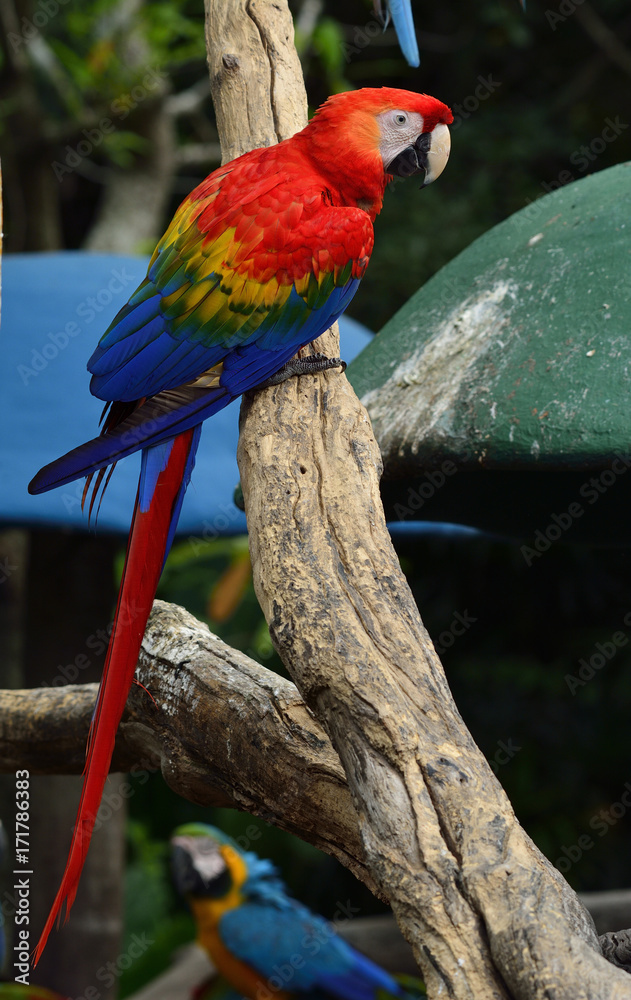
(303, 366)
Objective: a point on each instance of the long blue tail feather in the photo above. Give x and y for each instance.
(163, 417)
(155, 421)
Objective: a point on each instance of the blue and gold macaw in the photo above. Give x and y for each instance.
(263, 942)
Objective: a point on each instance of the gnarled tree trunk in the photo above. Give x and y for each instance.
(487, 914)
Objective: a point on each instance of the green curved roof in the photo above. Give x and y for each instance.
(517, 354)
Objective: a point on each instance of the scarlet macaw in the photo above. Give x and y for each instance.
(263, 942)
(259, 260)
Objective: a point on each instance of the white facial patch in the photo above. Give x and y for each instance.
(209, 862)
(399, 129)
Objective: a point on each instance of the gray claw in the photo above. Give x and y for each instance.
(303, 366)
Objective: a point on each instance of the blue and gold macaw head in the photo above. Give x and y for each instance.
(208, 864)
(205, 863)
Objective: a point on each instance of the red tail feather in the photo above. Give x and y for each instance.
(143, 566)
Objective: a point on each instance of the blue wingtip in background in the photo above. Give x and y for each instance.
(403, 20)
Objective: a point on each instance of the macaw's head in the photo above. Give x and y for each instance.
(365, 137)
(205, 863)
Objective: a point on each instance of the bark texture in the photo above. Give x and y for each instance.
(207, 716)
(255, 75)
(487, 914)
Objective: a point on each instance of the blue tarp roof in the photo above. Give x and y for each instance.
(55, 306)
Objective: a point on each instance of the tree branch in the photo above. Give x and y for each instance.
(486, 913)
(199, 710)
(206, 715)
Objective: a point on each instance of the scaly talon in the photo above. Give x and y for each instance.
(310, 365)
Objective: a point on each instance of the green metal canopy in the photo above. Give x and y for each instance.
(513, 361)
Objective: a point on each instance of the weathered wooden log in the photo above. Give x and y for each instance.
(222, 729)
(209, 718)
(486, 913)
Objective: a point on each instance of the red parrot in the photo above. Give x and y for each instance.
(259, 260)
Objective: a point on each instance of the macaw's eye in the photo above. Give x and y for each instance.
(400, 118)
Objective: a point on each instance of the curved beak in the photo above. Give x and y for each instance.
(438, 153)
(428, 155)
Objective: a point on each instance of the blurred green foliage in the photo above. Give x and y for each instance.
(528, 90)
(87, 54)
(199, 574)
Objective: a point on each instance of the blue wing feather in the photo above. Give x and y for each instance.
(155, 421)
(142, 307)
(141, 355)
(248, 366)
(306, 950)
(171, 412)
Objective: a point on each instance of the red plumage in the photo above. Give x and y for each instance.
(143, 566)
(259, 260)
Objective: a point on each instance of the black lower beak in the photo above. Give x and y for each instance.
(183, 871)
(413, 159)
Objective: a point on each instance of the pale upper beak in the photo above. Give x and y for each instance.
(428, 155)
(438, 153)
